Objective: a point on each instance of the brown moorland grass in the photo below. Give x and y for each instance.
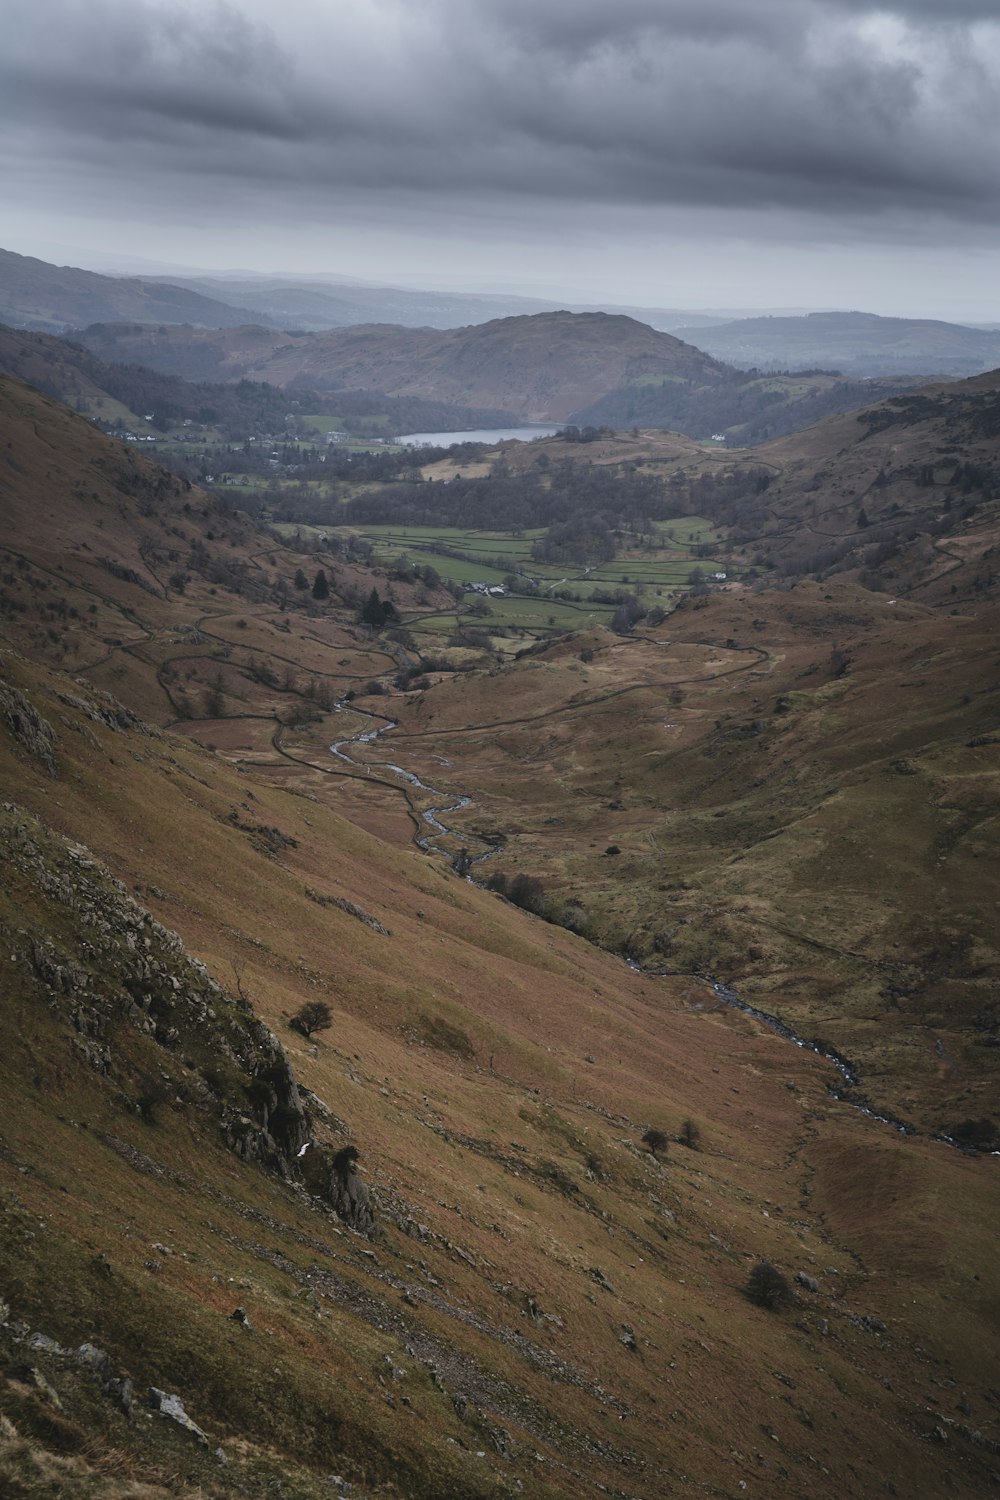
(513, 1192)
(497, 1074)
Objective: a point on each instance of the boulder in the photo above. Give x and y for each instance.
(172, 1408)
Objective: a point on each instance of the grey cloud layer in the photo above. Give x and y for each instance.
(823, 105)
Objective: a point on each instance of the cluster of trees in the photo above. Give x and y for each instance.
(376, 611)
(526, 891)
(592, 496)
(583, 539)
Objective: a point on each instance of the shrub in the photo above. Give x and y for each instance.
(528, 892)
(768, 1287)
(344, 1161)
(978, 1135)
(655, 1140)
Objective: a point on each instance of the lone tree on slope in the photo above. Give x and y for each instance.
(315, 1015)
(656, 1141)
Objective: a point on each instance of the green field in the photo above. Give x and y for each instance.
(665, 567)
(498, 544)
(686, 531)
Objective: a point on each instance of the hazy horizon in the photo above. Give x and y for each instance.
(794, 153)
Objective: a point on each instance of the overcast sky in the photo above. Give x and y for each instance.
(692, 153)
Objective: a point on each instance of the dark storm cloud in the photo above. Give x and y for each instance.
(829, 106)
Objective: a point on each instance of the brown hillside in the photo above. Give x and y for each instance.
(538, 368)
(796, 793)
(547, 1308)
(907, 491)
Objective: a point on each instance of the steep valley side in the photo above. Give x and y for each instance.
(542, 1305)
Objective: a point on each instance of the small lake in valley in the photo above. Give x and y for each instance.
(479, 435)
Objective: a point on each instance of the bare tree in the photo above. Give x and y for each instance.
(315, 1015)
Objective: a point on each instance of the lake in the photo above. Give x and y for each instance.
(480, 435)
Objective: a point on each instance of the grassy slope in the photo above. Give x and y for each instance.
(496, 1073)
(900, 465)
(826, 840)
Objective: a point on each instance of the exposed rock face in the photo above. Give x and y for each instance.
(351, 1200)
(333, 1177)
(277, 1126)
(105, 708)
(33, 733)
(126, 970)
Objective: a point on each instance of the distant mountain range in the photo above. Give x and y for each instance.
(594, 369)
(55, 299)
(855, 343)
(312, 305)
(51, 299)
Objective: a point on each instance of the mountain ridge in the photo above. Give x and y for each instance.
(538, 367)
(53, 299)
(856, 343)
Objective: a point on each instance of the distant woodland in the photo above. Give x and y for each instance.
(747, 406)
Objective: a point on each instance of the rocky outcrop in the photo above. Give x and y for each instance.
(351, 1201)
(276, 1127)
(332, 1176)
(33, 734)
(172, 1408)
(105, 708)
(122, 972)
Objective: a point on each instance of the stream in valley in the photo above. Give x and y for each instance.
(429, 815)
(475, 850)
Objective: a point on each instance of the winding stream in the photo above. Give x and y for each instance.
(430, 815)
(451, 804)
